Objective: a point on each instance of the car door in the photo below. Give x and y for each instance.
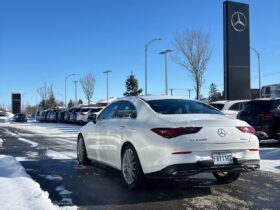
(103, 132)
(118, 128)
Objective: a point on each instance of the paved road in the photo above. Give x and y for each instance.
(100, 187)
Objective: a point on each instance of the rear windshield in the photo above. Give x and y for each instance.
(2, 114)
(218, 106)
(85, 110)
(95, 110)
(262, 106)
(181, 106)
(20, 115)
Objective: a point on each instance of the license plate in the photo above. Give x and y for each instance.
(222, 158)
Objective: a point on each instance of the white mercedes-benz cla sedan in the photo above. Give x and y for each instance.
(168, 137)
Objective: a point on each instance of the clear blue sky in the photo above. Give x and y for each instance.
(44, 40)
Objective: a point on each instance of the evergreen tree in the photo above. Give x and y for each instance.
(80, 101)
(51, 102)
(132, 86)
(213, 92)
(71, 104)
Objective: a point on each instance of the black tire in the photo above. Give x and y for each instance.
(82, 152)
(226, 177)
(131, 169)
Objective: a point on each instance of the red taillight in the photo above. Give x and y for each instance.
(174, 132)
(268, 116)
(246, 129)
(253, 150)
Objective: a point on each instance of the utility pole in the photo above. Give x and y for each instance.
(171, 91)
(75, 92)
(45, 91)
(166, 71)
(259, 68)
(146, 62)
(189, 90)
(107, 72)
(65, 80)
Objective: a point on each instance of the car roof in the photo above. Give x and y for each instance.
(150, 98)
(265, 99)
(228, 101)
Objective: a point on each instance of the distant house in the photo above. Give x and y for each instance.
(271, 91)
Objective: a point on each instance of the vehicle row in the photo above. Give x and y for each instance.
(76, 115)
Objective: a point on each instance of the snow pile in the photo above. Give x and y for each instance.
(18, 191)
(270, 159)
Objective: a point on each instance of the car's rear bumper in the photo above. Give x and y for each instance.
(188, 169)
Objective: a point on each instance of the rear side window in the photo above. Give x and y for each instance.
(126, 110)
(110, 111)
(181, 106)
(95, 110)
(235, 107)
(256, 107)
(276, 104)
(217, 106)
(84, 110)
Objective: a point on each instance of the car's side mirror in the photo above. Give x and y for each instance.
(92, 118)
(133, 114)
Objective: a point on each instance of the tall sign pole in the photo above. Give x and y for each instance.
(236, 51)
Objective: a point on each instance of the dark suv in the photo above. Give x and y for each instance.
(264, 116)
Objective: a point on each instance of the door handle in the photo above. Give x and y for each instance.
(122, 126)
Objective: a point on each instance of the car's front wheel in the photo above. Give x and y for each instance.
(82, 152)
(131, 168)
(226, 177)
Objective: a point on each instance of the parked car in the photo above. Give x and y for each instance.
(40, 115)
(61, 115)
(73, 115)
(67, 115)
(3, 117)
(230, 108)
(20, 117)
(82, 115)
(168, 137)
(264, 116)
(53, 115)
(94, 111)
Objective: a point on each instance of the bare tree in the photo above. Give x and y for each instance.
(193, 53)
(88, 83)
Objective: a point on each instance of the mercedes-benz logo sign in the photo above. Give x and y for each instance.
(238, 21)
(222, 132)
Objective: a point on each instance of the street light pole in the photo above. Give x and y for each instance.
(75, 92)
(107, 72)
(69, 75)
(166, 68)
(259, 67)
(146, 64)
(22, 106)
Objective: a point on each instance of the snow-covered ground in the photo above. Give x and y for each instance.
(18, 191)
(49, 129)
(270, 158)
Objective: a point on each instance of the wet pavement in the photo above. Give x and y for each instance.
(100, 187)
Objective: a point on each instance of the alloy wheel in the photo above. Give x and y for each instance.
(128, 166)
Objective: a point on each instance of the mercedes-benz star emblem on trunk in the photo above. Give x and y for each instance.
(222, 132)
